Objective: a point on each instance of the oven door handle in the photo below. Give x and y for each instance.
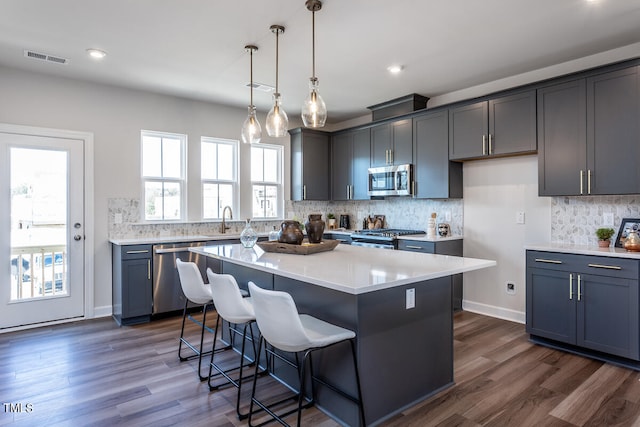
(174, 250)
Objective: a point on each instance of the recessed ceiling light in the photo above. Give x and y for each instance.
(96, 53)
(395, 69)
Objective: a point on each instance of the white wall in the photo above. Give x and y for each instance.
(494, 190)
(115, 116)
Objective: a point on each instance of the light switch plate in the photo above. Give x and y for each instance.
(411, 298)
(520, 217)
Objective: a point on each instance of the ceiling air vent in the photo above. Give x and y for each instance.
(261, 87)
(44, 57)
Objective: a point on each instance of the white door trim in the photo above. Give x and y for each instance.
(89, 246)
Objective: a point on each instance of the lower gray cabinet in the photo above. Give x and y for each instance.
(132, 297)
(590, 302)
(446, 247)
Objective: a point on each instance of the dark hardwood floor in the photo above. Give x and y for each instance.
(95, 373)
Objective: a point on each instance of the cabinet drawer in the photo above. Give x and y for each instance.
(608, 266)
(553, 261)
(416, 246)
(136, 252)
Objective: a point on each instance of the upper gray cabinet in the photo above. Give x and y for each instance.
(309, 164)
(350, 157)
(501, 126)
(435, 177)
(392, 143)
(589, 135)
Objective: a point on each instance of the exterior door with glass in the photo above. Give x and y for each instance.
(41, 229)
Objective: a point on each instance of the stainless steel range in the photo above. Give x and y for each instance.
(385, 238)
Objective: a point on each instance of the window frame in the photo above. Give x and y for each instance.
(181, 181)
(279, 184)
(235, 182)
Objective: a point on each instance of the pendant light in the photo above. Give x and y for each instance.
(277, 120)
(251, 130)
(314, 110)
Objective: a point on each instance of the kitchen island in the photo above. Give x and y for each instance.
(398, 303)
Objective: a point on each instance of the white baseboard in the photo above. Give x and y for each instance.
(104, 311)
(494, 311)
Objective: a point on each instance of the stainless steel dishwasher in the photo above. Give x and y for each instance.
(167, 291)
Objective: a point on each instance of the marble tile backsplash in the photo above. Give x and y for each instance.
(575, 219)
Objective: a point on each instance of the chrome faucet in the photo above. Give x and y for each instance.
(223, 226)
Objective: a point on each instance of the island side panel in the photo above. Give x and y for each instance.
(404, 355)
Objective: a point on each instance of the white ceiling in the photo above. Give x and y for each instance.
(195, 48)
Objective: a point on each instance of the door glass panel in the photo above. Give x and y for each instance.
(39, 192)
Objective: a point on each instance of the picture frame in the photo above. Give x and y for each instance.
(626, 225)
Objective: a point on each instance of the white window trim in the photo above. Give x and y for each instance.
(279, 185)
(235, 182)
(182, 181)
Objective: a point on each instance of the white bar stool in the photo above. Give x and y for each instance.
(284, 329)
(237, 311)
(197, 292)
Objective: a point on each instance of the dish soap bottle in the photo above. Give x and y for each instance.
(248, 237)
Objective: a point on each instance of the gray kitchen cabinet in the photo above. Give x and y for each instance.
(350, 160)
(392, 143)
(587, 302)
(445, 247)
(310, 164)
(500, 126)
(434, 176)
(341, 237)
(589, 135)
(132, 297)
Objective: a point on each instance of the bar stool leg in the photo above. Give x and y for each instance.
(355, 367)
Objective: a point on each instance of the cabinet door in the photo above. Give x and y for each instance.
(402, 142)
(613, 132)
(608, 315)
(435, 176)
(512, 124)
(341, 165)
(562, 139)
(136, 288)
(468, 125)
(310, 162)
(380, 144)
(361, 161)
(551, 308)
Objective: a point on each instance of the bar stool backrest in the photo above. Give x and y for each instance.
(228, 299)
(192, 284)
(278, 319)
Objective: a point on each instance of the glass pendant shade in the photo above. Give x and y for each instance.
(314, 110)
(251, 130)
(277, 120)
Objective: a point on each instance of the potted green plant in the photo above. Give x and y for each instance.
(331, 221)
(604, 236)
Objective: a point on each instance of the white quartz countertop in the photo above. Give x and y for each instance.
(176, 239)
(349, 269)
(583, 250)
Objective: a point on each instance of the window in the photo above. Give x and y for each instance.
(266, 180)
(163, 171)
(219, 161)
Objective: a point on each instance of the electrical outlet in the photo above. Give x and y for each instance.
(520, 217)
(511, 288)
(607, 219)
(410, 298)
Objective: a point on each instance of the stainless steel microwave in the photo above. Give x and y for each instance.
(390, 180)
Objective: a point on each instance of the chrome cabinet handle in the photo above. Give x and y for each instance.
(579, 291)
(570, 286)
(608, 267)
(484, 145)
(414, 247)
(143, 251)
(304, 192)
(386, 157)
(589, 181)
(490, 138)
(548, 261)
(148, 269)
(413, 189)
(581, 179)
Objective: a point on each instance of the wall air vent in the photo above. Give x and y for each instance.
(44, 57)
(261, 87)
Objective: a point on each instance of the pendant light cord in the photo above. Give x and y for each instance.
(313, 42)
(251, 74)
(277, 37)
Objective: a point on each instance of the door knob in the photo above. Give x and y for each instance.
(77, 237)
